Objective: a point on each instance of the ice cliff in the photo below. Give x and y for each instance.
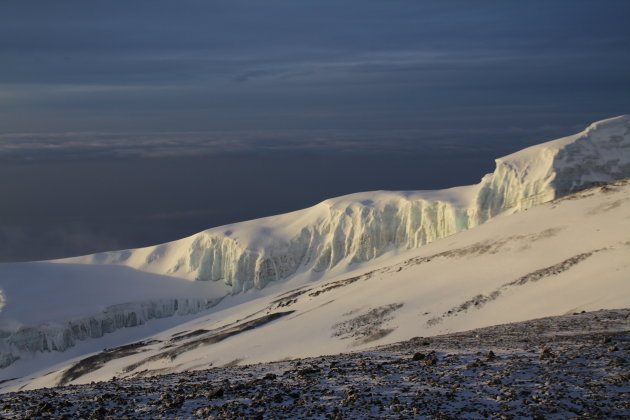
(61, 336)
(363, 226)
(49, 307)
(329, 236)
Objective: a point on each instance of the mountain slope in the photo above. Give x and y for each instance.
(95, 296)
(560, 257)
(360, 227)
(570, 366)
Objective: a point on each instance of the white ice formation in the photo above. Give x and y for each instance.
(50, 306)
(329, 236)
(360, 227)
(60, 337)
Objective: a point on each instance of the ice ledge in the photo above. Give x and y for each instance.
(363, 226)
(337, 232)
(59, 337)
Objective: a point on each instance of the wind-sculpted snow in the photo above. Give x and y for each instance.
(361, 227)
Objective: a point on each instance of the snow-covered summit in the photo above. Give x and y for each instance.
(540, 173)
(562, 257)
(355, 228)
(66, 305)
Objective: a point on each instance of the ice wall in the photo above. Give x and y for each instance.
(339, 232)
(59, 337)
(360, 227)
(352, 232)
(601, 153)
(363, 226)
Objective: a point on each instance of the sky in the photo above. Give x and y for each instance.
(129, 123)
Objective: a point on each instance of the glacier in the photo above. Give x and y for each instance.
(360, 227)
(562, 257)
(49, 307)
(326, 239)
(60, 337)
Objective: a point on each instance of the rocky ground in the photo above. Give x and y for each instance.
(559, 367)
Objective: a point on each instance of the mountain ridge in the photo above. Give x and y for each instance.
(560, 257)
(134, 298)
(359, 227)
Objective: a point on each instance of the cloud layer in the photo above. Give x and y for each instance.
(39, 147)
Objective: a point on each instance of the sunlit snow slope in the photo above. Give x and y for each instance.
(565, 256)
(50, 307)
(360, 227)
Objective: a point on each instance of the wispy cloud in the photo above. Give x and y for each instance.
(31, 147)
